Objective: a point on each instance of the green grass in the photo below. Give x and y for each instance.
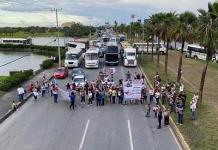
(26, 34)
(201, 134)
(2, 78)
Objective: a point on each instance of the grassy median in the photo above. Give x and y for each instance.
(201, 134)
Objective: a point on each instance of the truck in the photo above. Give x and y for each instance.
(112, 55)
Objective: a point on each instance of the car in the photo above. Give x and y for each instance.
(77, 71)
(61, 73)
(80, 81)
(215, 57)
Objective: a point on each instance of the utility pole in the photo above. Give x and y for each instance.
(58, 36)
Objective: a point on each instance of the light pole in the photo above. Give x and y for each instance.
(58, 34)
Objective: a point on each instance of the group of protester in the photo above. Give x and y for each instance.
(174, 97)
(100, 91)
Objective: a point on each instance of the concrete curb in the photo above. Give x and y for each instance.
(11, 111)
(173, 126)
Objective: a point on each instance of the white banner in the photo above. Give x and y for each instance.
(132, 89)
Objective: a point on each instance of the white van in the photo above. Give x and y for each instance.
(196, 52)
(142, 47)
(74, 57)
(92, 57)
(130, 57)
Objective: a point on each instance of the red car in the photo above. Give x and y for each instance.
(61, 73)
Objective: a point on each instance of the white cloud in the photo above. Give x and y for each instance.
(32, 12)
(39, 19)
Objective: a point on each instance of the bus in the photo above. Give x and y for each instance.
(130, 57)
(92, 57)
(73, 57)
(112, 54)
(144, 47)
(16, 41)
(196, 52)
(73, 45)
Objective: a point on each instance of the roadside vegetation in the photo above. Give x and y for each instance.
(202, 133)
(76, 30)
(8, 82)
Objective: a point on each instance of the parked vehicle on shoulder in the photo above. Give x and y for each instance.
(77, 71)
(196, 52)
(16, 41)
(130, 57)
(147, 47)
(61, 73)
(215, 57)
(92, 57)
(74, 57)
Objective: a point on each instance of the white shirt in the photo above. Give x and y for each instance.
(20, 90)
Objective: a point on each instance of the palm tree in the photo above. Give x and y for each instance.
(157, 19)
(167, 26)
(187, 22)
(207, 31)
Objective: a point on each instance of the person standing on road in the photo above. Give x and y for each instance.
(43, 89)
(82, 95)
(110, 94)
(35, 94)
(21, 92)
(114, 95)
(90, 96)
(72, 100)
(148, 110)
(159, 117)
(97, 96)
(55, 93)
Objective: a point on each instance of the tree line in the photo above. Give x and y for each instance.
(185, 27)
(76, 30)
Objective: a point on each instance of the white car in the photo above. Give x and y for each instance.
(80, 81)
(215, 57)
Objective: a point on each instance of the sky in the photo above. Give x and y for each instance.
(88, 12)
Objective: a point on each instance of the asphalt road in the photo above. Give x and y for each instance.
(44, 125)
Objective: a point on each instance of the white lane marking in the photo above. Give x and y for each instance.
(175, 139)
(84, 135)
(130, 135)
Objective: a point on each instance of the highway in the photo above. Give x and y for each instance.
(44, 125)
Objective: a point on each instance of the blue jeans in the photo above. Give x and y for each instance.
(193, 115)
(21, 97)
(55, 98)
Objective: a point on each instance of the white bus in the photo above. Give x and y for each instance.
(92, 57)
(72, 45)
(196, 52)
(142, 47)
(16, 41)
(129, 57)
(74, 57)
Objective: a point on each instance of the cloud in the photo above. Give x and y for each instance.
(89, 11)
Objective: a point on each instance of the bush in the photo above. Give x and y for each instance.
(9, 82)
(48, 63)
